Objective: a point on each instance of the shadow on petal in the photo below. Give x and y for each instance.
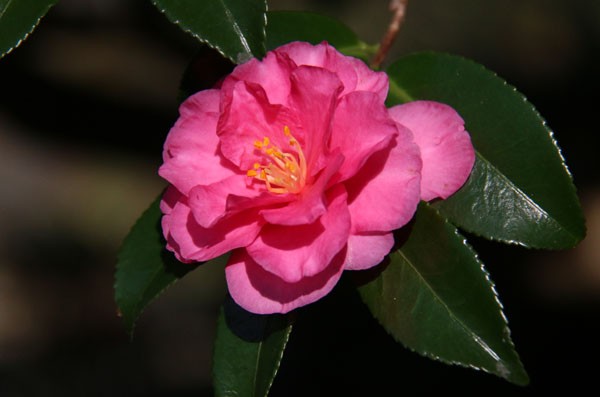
(259, 291)
(274, 288)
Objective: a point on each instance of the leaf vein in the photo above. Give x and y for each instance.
(5, 8)
(236, 27)
(476, 338)
(255, 377)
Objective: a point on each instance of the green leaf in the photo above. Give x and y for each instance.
(145, 268)
(286, 26)
(436, 298)
(520, 190)
(235, 28)
(18, 18)
(248, 350)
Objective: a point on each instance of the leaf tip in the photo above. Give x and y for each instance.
(518, 377)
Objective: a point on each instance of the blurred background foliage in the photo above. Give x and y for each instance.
(85, 104)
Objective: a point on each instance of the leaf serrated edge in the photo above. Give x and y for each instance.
(241, 58)
(288, 332)
(505, 330)
(137, 307)
(404, 96)
(140, 308)
(35, 24)
(526, 199)
(211, 45)
(538, 116)
(277, 365)
(119, 271)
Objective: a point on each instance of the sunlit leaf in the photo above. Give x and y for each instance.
(520, 190)
(236, 28)
(436, 298)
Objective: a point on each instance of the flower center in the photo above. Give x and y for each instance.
(283, 172)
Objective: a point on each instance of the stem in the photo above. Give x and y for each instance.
(398, 8)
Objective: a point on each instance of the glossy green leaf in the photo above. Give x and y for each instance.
(145, 268)
(18, 18)
(436, 298)
(520, 190)
(236, 28)
(248, 351)
(286, 26)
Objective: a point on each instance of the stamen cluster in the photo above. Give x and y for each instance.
(284, 172)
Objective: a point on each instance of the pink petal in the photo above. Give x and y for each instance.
(354, 73)
(190, 151)
(247, 117)
(303, 53)
(169, 199)
(446, 149)
(369, 80)
(295, 252)
(361, 127)
(313, 97)
(192, 242)
(367, 250)
(383, 196)
(272, 73)
(213, 202)
(209, 202)
(261, 292)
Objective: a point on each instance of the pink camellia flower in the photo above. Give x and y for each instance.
(296, 166)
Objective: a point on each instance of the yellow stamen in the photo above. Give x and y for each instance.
(283, 172)
(260, 144)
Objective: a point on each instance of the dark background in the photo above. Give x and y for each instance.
(85, 104)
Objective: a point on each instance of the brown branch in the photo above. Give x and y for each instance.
(398, 7)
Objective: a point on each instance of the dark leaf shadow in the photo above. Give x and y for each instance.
(252, 327)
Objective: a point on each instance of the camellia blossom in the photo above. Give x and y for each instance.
(295, 165)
